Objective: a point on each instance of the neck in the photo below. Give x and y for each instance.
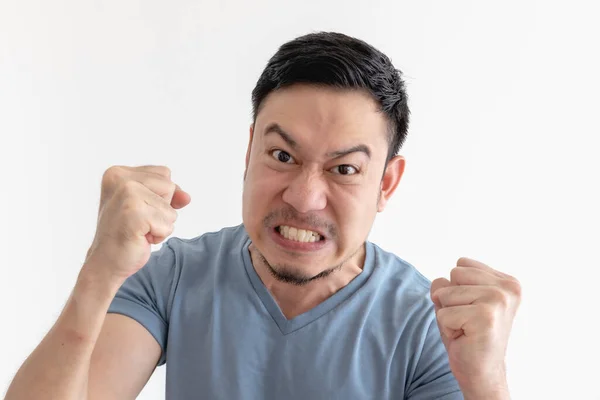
(294, 300)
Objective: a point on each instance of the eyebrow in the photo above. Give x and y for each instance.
(358, 148)
(276, 128)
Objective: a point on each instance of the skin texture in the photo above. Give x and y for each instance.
(88, 354)
(310, 189)
(293, 178)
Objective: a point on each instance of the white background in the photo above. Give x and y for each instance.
(502, 161)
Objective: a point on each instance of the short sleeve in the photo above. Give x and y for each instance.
(433, 378)
(147, 295)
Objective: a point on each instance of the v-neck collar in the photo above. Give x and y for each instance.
(290, 325)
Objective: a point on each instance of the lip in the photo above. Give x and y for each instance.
(292, 245)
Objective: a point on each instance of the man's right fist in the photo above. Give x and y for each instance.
(137, 209)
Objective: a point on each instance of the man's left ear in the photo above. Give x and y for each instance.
(391, 179)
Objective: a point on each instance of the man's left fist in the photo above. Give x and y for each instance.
(475, 311)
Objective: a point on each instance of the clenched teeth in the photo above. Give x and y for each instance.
(298, 235)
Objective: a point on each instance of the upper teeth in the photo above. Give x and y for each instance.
(299, 235)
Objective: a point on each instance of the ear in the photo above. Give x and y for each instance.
(391, 179)
(248, 149)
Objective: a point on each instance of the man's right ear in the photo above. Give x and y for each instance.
(248, 149)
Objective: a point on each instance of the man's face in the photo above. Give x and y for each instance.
(313, 181)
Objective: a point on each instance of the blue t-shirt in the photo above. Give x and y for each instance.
(223, 336)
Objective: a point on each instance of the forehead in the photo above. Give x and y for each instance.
(324, 115)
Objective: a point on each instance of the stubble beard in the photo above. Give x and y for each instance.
(292, 275)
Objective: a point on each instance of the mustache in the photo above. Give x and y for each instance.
(288, 216)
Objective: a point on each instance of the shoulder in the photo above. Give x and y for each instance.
(226, 239)
(405, 304)
(205, 258)
(397, 271)
(401, 294)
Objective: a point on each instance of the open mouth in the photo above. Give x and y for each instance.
(299, 235)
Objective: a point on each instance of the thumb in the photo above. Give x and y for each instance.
(180, 198)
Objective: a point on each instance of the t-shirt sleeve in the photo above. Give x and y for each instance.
(147, 295)
(433, 378)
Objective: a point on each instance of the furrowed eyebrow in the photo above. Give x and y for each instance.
(354, 149)
(277, 129)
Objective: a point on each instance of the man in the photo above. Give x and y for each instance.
(294, 303)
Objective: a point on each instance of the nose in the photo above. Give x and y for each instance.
(306, 192)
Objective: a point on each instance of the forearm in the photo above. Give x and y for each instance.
(487, 389)
(501, 394)
(58, 367)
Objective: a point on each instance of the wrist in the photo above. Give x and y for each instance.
(488, 395)
(486, 391)
(94, 279)
(492, 386)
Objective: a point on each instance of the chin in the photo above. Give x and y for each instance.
(295, 274)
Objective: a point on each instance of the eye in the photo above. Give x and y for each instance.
(282, 156)
(344, 169)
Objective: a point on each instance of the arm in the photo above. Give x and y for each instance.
(125, 357)
(87, 352)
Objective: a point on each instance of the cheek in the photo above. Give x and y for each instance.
(355, 208)
(264, 182)
(260, 187)
(354, 198)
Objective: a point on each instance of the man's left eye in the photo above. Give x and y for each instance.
(344, 169)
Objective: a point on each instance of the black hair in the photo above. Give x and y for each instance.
(336, 60)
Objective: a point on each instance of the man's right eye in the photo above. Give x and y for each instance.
(282, 156)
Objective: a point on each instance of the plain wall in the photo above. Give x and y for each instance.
(502, 151)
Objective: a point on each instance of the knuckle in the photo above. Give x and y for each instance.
(462, 261)
(455, 274)
(110, 171)
(131, 206)
(162, 227)
(129, 188)
(111, 176)
(488, 315)
(514, 286)
(164, 170)
(500, 297)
